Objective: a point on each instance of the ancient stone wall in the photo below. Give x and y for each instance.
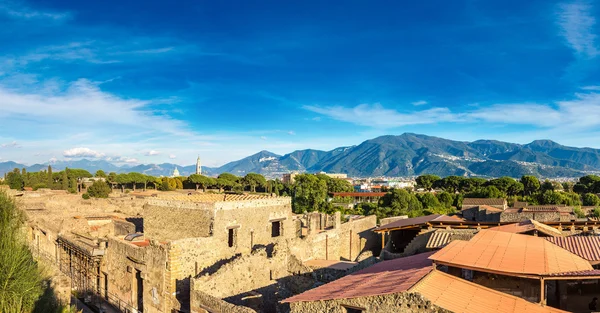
(121, 263)
(523, 216)
(528, 289)
(399, 302)
(172, 220)
(202, 302)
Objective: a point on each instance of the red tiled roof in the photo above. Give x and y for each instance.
(458, 295)
(587, 247)
(358, 194)
(383, 278)
(409, 222)
(510, 253)
(483, 201)
(578, 274)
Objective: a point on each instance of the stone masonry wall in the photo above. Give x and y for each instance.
(170, 220)
(399, 302)
(523, 216)
(122, 259)
(202, 302)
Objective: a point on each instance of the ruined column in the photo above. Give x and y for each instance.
(337, 222)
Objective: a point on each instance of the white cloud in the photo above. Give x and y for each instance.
(82, 153)
(13, 144)
(152, 153)
(576, 22)
(291, 133)
(172, 156)
(420, 102)
(377, 116)
(53, 160)
(263, 138)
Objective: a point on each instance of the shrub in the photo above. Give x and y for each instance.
(99, 189)
(85, 196)
(579, 213)
(40, 185)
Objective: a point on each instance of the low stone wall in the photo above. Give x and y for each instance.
(399, 302)
(523, 216)
(202, 302)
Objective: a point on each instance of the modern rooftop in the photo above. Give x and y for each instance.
(587, 247)
(502, 252)
(458, 295)
(483, 201)
(383, 278)
(528, 225)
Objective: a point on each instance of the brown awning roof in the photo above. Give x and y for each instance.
(526, 226)
(458, 295)
(408, 222)
(496, 251)
(387, 277)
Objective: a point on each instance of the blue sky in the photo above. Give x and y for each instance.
(156, 81)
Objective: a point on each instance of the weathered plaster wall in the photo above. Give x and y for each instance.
(400, 302)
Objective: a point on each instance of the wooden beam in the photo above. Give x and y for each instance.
(542, 292)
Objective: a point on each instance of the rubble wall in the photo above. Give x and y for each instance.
(172, 220)
(399, 302)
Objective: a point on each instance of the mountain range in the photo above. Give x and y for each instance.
(393, 156)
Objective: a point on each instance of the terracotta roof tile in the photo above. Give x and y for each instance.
(483, 201)
(490, 208)
(510, 253)
(409, 222)
(587, 247)
(458, 295)
(448, 218)
(387, 277)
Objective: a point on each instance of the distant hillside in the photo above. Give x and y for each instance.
(404, 155)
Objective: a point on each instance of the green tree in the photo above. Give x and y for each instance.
(122, 180)
(14, 179)
(20, 278)
(64, 179)
(445, 199)
(112, 179)
(226, 180)
(471, 183)
(590, 199)
(568, 186)
(253, 180)
(580, 188)
(100, 173)
(579, 212)
(530, 184)
(99, 189)
(589, 180)
(136, 178)
(427, 181)
(402, 202)
(551, 197)
(310, 193)
(450, 184)
(49, 179)
(429, 201)
(201, 180)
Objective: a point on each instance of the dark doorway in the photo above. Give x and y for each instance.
(231, 237)
(276, 229)
(140, 290)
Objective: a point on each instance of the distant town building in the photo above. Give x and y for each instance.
(175, 172)
(335, 175)
(288, 178)
(198, 166)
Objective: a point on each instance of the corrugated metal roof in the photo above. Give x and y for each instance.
(458, 295)
(578, 274)
(409, 222)
(483, 201)
(587, 247)
(442, 237)
(526, 226)
(510, 253)
(387, 277)
(438, 239)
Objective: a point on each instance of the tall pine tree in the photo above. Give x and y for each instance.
(49, 180)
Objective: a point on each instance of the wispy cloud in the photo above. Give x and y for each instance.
(580, 112)
(13, 144)
(376, 115)
(145, 51)
(172, 156)
(14, 10)
(576, 22)
(420, 102)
